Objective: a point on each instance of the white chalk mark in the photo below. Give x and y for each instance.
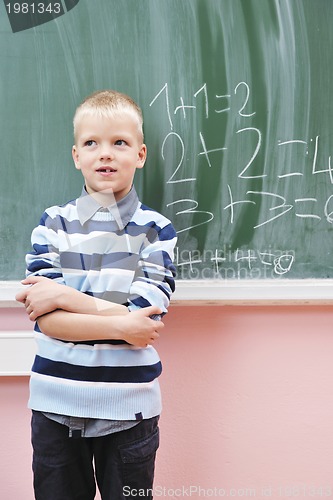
(232, 203)
(206, 151)
(227, 96)
(183, 107)
(204, 89)
(171, 180)
(241, 175)
(246, 115)
(164, 88)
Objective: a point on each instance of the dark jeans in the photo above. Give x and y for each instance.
(65, 468)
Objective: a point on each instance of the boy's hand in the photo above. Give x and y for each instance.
(46, 295)
(139, 329)
(41, 298)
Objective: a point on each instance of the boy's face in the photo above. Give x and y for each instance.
(108, 151)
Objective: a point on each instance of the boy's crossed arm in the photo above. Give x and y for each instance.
(47, 295)
(136, 328)
(67, 314)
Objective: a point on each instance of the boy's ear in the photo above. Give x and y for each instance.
(75, 156)
(142, 155)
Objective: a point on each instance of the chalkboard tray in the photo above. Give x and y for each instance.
(243, 292)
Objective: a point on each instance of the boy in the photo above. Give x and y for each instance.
(101, 267)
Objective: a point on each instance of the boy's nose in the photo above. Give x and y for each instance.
(106, 154)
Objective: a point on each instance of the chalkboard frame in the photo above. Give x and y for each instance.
(270, 107)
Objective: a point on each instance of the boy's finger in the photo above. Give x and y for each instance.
(21, 296)
(30, 280)
(153, 310)
(159, 326)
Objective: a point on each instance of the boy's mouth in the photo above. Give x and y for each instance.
(106, 170)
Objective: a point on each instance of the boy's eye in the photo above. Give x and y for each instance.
(120, 142)
(89, 143)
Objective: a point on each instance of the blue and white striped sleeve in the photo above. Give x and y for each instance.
(44, 259)
(154, 280)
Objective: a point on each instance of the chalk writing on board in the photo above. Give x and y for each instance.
(250, 263)
(275, 201)
(172, 180)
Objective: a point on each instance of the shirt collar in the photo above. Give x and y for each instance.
(121, 211)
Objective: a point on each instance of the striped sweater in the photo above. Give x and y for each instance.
(123, 254)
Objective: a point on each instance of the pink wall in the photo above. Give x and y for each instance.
(248, 405)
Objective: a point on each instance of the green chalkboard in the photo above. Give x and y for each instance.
(237, 100)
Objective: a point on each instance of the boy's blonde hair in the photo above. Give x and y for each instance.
(107, 104)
